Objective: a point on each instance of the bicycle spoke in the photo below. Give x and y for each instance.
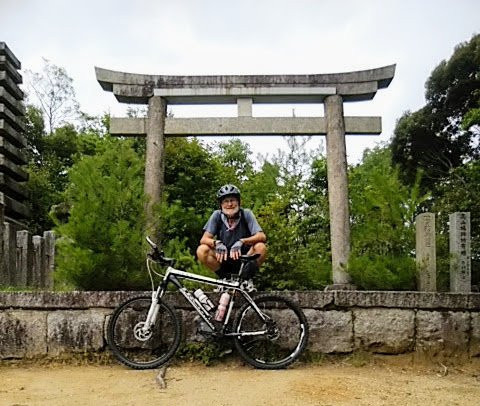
(285, 338)
(136, 346)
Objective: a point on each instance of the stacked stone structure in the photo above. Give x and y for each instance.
(25, 260)
(12, 140)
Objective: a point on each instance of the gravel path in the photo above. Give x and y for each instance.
(383, 381)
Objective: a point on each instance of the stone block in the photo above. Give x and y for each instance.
(473, 301)
(330, 331)
(188, 325)
(442, 332)
(75, 331)
(385, 331)
(5, 50)
(405, 300)
(22, 334)
(311, 299)
(475, 335)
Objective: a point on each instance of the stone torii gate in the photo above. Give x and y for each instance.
(331, 89)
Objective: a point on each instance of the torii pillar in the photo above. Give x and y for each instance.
(331, 89)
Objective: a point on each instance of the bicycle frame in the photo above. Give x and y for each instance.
(174, 276)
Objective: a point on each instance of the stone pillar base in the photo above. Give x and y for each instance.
(340, 286)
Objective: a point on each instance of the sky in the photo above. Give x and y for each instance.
(213, 37)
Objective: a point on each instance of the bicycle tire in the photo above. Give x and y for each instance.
(287, 337)
(148, 351)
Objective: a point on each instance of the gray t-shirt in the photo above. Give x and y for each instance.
(217, 225)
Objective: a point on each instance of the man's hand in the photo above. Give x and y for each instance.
(236, 250)
(221, 252)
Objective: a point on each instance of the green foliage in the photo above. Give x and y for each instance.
(382, 272)
(459, 193)
(261, 187)
(101, 244)
(92, 186)
(176, 248)
(471, 118)
(206, 353)
(296, 259)
(432, 139)
(383, 230)
(192, 174)
(291, 263)
(234, 155)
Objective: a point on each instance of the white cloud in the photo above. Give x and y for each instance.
(243, 37)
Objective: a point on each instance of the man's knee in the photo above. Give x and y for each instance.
(260, 248)
(203, 251)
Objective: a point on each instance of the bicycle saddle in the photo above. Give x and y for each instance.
(247, 258)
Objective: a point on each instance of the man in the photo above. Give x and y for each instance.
(230, 232)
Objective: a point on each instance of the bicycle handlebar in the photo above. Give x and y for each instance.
(157, 255)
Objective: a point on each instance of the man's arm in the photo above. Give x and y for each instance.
(208, 239)
(252, 240)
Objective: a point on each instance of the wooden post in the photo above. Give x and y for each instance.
(155, 160)
(337, 189)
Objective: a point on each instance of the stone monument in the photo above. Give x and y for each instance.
(460, 253)
(331, 89)
(426, 252)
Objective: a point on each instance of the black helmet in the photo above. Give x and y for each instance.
(228, 190)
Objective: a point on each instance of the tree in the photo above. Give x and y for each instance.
(459, 192)
(235, 155)
(100, 246)
(53, 90)
(383, 224)
(433, 139)
(296, 258)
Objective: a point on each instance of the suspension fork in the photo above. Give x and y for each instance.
(155, 305)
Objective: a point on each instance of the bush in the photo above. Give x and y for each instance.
(380, 272)
(101, 244)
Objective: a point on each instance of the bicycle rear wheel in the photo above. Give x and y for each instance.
(139, 349)
(285, 337)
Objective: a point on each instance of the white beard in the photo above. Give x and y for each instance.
(232, 213)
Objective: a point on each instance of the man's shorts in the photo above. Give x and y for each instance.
(231, 266)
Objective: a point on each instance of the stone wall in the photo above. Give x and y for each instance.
(48, 324)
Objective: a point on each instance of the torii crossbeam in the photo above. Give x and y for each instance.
(331, 89)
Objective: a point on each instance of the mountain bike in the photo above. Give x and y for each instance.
(269, 331)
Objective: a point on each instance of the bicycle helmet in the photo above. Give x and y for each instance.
(228, 190)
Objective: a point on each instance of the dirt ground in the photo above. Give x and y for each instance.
(347, 381)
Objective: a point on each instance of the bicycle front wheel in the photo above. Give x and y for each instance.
(277, 339)
(136, 347)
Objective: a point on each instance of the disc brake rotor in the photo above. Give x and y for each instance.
(141, 334)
